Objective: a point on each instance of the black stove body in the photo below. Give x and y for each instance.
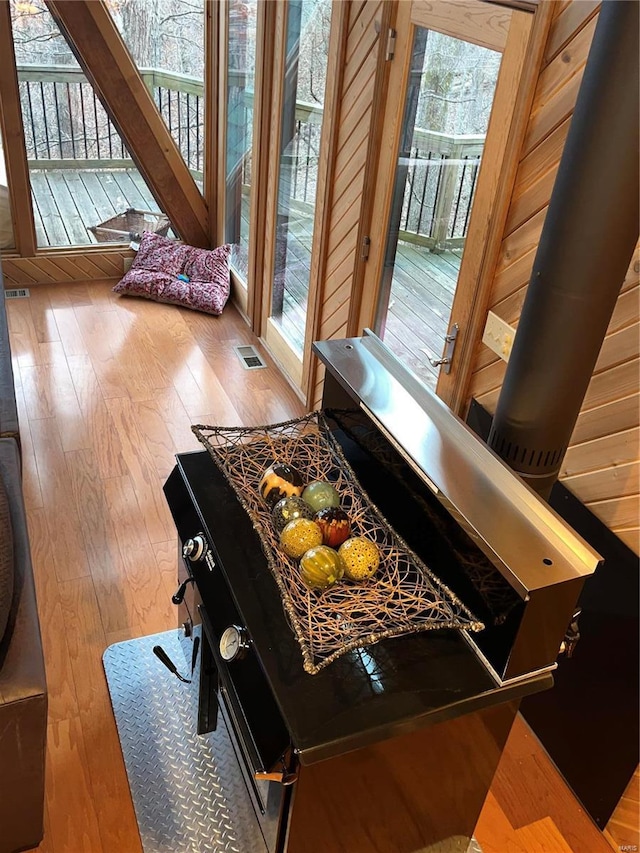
(507, 556)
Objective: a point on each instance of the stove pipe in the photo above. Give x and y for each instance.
(585, 249)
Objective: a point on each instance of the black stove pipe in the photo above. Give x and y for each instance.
(585, 249)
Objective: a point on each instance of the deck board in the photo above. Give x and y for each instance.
(50, 218)
(67, 203)
(68, 207)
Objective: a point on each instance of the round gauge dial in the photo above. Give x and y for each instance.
(233, 643)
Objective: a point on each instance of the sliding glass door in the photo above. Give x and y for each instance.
(299, 87)
(240, 98)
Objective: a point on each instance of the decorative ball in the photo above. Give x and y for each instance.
(320, 495)
(298, 536)
(280, 481)
(321, 567)
(361, 558)
(335, 525)
(288, 509)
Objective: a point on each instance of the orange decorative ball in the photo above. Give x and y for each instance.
(335, 525)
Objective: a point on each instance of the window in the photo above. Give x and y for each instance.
(82, 176)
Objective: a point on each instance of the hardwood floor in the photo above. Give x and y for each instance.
(107, 389)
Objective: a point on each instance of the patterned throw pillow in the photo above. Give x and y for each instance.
(159, 254)
(166, 271)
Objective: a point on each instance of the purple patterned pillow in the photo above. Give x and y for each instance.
(160, 254)
(208, 264)
(198, 279)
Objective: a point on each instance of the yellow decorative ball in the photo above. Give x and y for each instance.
(298, 536)
(361, 558)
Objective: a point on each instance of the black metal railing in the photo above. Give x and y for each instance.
(66, 126)
(65, 121)
(441, 181)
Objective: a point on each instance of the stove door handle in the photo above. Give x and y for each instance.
(287, 775)
(284, 778)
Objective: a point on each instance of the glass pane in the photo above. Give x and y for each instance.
(166, 41)
(84, 184)
(6, 223)
(308, 24)
(241, 68)
(446, 114)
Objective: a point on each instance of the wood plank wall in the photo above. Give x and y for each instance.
(63, 267)
(349, 175)
(601, 466)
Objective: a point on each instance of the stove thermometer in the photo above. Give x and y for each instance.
(234, 643)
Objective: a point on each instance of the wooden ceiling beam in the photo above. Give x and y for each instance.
(100, 50)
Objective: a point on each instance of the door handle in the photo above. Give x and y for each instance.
(449, 347)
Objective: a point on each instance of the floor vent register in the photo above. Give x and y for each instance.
(249, 357)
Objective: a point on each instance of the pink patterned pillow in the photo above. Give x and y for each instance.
(160, 254)
(179, 274)
(208, 264)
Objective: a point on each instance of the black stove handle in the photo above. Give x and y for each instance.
(162, 656)
(179, 594)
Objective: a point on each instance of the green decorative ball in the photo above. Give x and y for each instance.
(321, 567)
(320, 495)
(289, 509)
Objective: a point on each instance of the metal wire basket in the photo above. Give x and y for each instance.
(403, 597)
(130, 225)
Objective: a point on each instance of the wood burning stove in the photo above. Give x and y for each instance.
(483, 532)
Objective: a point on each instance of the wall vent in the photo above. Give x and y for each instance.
(17, 293)
(249, 357)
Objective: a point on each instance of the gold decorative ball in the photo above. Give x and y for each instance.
(298, 536)
(361, 558)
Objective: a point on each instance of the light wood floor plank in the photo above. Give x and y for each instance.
(529, 788)
(30, 479)
(166, 554)
(42, 314)
(49, 393)
(73, 819)
(63, 702)
(142, 471)
(70, 334)
(65, 536)
(103, 334)
(176, 420)
(104, 439)
(115, 595)
(103, 762)
(24, 338)
(157, 435)
(154, 611)
(542, 836)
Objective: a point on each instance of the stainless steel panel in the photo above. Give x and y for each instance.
(533, 547)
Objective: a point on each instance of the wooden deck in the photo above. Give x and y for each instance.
(422, 293)
(68, 202)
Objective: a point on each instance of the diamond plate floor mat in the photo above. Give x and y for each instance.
(188, 792)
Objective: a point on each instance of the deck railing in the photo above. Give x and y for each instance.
(66, 126)
(441, 181)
